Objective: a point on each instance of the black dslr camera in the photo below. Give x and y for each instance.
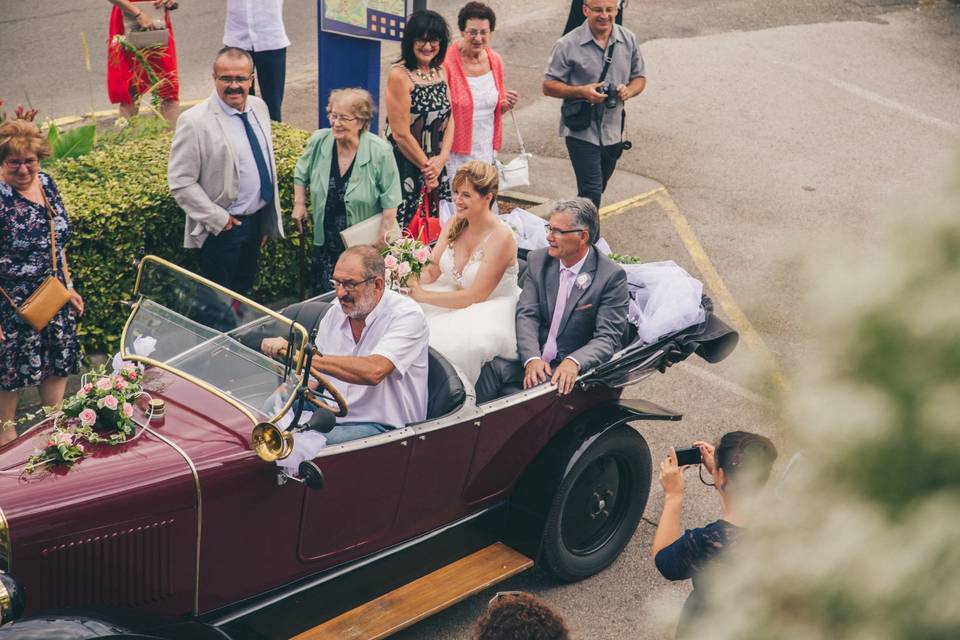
(607, 88)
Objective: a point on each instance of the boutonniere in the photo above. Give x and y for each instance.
(583, 281)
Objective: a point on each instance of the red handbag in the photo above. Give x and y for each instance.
(423, 226)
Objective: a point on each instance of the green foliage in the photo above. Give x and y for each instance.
(121, 209)
(625, 259)
(71, 144)
(863, 541)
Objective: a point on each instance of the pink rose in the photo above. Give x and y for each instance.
(120, 384)
(422, 254)
(79, 447)
(130, 373)
(390, 262)
(87, 388)
(110, 402)
(58, 438)
(88, 417)
(403, 270)
(127, 409)
(104, 383)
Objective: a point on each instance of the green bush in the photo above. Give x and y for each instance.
(121, 209)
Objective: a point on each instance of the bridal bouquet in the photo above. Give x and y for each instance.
(404, 258)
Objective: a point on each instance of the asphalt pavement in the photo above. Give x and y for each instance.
(769, 130)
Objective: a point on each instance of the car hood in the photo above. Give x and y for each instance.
(198, 430)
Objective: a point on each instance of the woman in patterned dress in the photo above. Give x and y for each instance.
(419, 123)
(28, 202)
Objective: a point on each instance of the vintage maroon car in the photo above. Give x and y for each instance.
(185, 531)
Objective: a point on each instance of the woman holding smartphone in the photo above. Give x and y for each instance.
(739, 464)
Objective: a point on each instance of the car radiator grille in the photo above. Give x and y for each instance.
(128, 567)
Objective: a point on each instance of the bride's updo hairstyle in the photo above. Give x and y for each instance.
(482, 176)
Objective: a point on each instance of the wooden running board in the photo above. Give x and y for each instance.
(423, 597)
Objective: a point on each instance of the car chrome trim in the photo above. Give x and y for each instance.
(196, 482)
(352, 566)
(6, 555)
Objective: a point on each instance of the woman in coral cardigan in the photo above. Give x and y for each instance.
(475, 76)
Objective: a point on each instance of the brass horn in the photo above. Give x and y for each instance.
(270, 443)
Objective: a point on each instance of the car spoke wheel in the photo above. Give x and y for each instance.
(598, 505)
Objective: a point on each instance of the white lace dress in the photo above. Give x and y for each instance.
(474, 335)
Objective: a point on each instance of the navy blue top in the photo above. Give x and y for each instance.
(691, 553)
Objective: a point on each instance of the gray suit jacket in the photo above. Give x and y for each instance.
(594, 319)
(203, 171)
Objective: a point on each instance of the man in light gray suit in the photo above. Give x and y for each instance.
(223, 175)
(572, 313)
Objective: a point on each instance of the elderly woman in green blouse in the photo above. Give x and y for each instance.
(351, 175)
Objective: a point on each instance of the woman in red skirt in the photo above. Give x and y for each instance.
(127, 79)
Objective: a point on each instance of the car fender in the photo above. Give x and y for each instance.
(530, 500)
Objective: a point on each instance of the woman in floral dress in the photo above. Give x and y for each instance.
(419, 125)
(29, 201)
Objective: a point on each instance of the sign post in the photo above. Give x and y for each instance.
(348, 45)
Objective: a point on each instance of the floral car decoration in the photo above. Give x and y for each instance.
(100, 412)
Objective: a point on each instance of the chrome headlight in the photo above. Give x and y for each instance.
(11, 598)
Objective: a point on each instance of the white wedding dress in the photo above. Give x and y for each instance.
(474, 335)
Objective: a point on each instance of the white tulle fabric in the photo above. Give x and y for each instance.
(472, 336)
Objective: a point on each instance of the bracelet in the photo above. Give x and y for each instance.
(70, 285)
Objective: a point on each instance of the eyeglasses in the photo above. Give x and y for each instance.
(559, 232)
(16, 164)
(473, 33)
(234, 79)
(501, 594)
(430, 40)
(338, 117)
(348, 285)
(610, 11)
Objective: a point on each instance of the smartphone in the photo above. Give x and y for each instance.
(688, 456)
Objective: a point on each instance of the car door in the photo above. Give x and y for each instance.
(439, 462)
(356, 509)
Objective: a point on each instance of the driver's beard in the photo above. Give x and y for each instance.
(362, 306)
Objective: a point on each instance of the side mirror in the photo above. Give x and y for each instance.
(311, 475)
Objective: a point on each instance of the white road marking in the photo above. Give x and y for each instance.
(876, 98)
(726, 385)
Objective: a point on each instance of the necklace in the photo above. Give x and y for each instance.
(429, 76)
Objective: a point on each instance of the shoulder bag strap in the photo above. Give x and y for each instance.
(523, 149)
(53, 244)
(607, 59)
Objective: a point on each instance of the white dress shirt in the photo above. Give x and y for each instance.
(248, 189)
(255, 25)
(397, 330)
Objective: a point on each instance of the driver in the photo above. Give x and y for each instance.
(375, 349)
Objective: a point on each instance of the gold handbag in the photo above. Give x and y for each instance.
(47, 300)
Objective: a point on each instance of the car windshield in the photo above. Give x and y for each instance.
(211, 336)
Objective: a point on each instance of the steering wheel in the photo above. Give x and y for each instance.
(317, 399)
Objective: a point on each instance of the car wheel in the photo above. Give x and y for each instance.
(598, 505)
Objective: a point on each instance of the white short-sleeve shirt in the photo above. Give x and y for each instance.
(255, 25)
(397, 330)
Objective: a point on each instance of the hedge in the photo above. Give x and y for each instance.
(121, 209)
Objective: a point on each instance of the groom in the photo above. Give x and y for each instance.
(572, 313)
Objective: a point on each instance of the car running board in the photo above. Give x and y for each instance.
(423, 597)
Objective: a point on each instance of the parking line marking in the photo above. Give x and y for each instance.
(723, 296)
(726, 385)
(630, 203)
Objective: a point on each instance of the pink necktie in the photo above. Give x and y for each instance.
(563, 292)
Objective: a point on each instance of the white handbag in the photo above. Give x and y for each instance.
(364, 232)
(515, 173)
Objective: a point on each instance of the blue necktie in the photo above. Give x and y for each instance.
(266, 185)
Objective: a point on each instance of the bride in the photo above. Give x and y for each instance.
(469, 291)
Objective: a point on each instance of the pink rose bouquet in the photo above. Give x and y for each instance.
(404, 258)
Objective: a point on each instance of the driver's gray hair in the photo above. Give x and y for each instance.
(371, 259)
(584, 215)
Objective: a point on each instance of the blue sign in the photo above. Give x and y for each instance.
(370, 19)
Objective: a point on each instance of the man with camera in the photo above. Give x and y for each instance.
(595, 69)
